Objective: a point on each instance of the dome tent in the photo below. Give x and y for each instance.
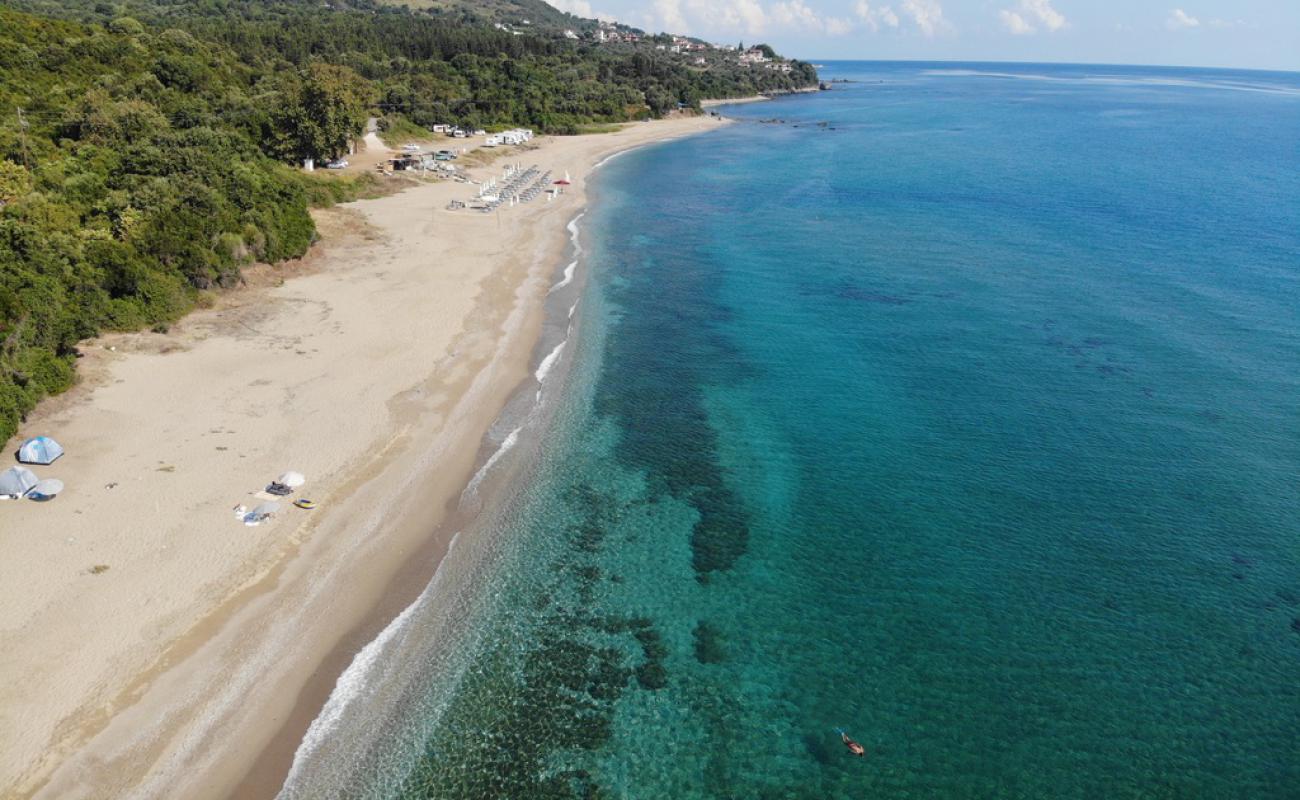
(16, 481)
(41, 450)
(47, 489)
(291, 479)
(284, 485)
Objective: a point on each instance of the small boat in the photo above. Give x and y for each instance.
(304, 503)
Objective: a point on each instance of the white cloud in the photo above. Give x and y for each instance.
(669, 14)
(740, 17)
(737, 15)
(1015, 23)
(1051, 19)
(928, 16)
(1180, 20)
(837, 26)
(794, 14)
(580, 8)
(1029, 14)
(875, 18)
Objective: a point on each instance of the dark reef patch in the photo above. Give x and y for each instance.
(658, 364)
(709, 645)
(558, 695)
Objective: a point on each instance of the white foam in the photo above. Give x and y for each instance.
(568, 276)
(608, 159)
(509, 442)
(573, 309)
(544, 368)
(1121, 80)
(573, 231)
(570, 270)
(350, 686)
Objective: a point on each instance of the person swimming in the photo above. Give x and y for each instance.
(854, 748)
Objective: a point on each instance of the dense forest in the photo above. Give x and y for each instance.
(146, 146)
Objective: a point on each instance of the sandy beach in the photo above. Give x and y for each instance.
(151, 645)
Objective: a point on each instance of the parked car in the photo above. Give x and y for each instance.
(410, 148)
(342, 163)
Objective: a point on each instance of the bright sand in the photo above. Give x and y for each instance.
(376, 370)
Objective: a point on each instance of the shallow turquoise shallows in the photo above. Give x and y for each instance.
(958, 407)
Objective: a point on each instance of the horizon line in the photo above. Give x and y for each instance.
(1045, 63)
(1244, 69)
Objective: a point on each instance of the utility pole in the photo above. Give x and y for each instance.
(22, 132)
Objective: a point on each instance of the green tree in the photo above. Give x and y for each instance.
(326, 109)
(15, 182)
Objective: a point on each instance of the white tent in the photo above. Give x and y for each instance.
(41, 450)
(45, 490)
(291, 479)
(260, 514)
(17, 481)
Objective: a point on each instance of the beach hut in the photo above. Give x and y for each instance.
(47, 489)
(16, 482)
(41, 450)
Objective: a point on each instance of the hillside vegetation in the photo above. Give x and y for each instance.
(146, 146)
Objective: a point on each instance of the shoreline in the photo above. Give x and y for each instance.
(292, 608)
(758, 98)
(505, 463)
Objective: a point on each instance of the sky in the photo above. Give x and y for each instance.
(1250, 34)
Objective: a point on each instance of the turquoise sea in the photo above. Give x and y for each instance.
(958, 406)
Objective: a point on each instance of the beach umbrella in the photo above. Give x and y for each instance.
(41, 450)
(291, 479)
(45, 490)
(17, 481)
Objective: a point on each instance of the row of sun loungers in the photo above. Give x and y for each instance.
(522, 187)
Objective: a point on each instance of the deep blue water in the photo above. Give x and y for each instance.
(958, 406)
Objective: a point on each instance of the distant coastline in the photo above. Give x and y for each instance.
(758, 98)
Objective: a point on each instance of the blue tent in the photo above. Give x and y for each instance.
(41, 450)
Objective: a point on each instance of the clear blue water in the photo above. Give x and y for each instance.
(959, 407)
